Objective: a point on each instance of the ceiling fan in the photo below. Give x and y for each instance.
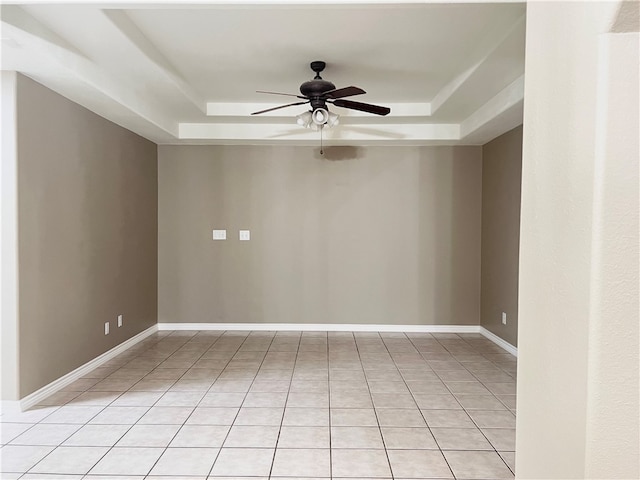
(318, 93)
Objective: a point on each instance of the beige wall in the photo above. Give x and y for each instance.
(387, 235)
(87, 229)
(501, 178)
(578, 349)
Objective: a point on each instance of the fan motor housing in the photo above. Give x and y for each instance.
(316, 88)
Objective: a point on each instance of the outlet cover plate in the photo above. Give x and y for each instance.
(219, 234)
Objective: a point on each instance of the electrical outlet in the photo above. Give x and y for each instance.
(219, 234)
(504, 318)
(245, 235)
(106, 328)
(119, 320)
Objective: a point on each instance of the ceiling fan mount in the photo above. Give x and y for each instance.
(318, 92)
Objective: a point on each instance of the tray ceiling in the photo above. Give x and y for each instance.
(452, 73)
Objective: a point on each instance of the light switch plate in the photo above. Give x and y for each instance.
(245, 235)
(106, 328)
(219, 234)
(119, 320)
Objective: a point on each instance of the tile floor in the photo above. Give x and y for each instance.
(260, 405)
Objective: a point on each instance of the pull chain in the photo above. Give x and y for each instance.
(321, 128)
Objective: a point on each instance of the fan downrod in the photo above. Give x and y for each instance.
(318, 66)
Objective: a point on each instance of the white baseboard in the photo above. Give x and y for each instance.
(39, 395)
(322, 327)
(344, 327)
(499, 341)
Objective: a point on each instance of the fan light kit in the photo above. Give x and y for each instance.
(318, 93)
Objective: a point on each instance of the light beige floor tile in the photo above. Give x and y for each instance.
(33, 415)
(461, 439)
(437, 402)
(233, 462)
(392, 400)
(94, 398)
(508, 388)
(351, 399)
(480, 402)
(306, 399)
(191, 385)
(137, 399)
(252, 436)
(265, 399)
(149, 436)
(493, 418)
(229, 386)
(510, 459)
(310, 386)
(270, 386)
(303, 437)
(418, 464)
(222, 400)
(113, 385)
(97, 436)
(448, 418)
(9, 431)
(477, 465)
(166, 415)
(180, 399)
(259, 416)
(46, 434)
(186, 461)
(310, 417)
(401, 438)
(301, 462)
(455, 375)
(74, 460)
(473, 387)
(54, 476)
(59, 398)
(356, 437)
(211, 436)
(432, 388)
(503, 439)
(360, 463)
(18, 458)
(392, 417)
(119, 415)
(508, 400)
(353, 417)
(127, 461)
(69, 414)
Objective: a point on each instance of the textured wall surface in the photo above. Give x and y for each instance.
(87, 234)
(501, 179)
(364, 235)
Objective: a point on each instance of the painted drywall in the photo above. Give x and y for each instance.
(386, 235)
(501, 179)
(578, 281)
(87, 230)
(9, 240)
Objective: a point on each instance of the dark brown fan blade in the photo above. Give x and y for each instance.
(277, 93)
(363, 107)
(277, 108)
(344, 92)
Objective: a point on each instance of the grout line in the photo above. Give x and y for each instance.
(284, 409)
(375, 411)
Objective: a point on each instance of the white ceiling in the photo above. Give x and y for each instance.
(452, 73)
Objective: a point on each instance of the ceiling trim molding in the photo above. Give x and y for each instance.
(132, 33)
(506, 99)
(26, 30)
(449, 90)
(292, 133)
(239, 109)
